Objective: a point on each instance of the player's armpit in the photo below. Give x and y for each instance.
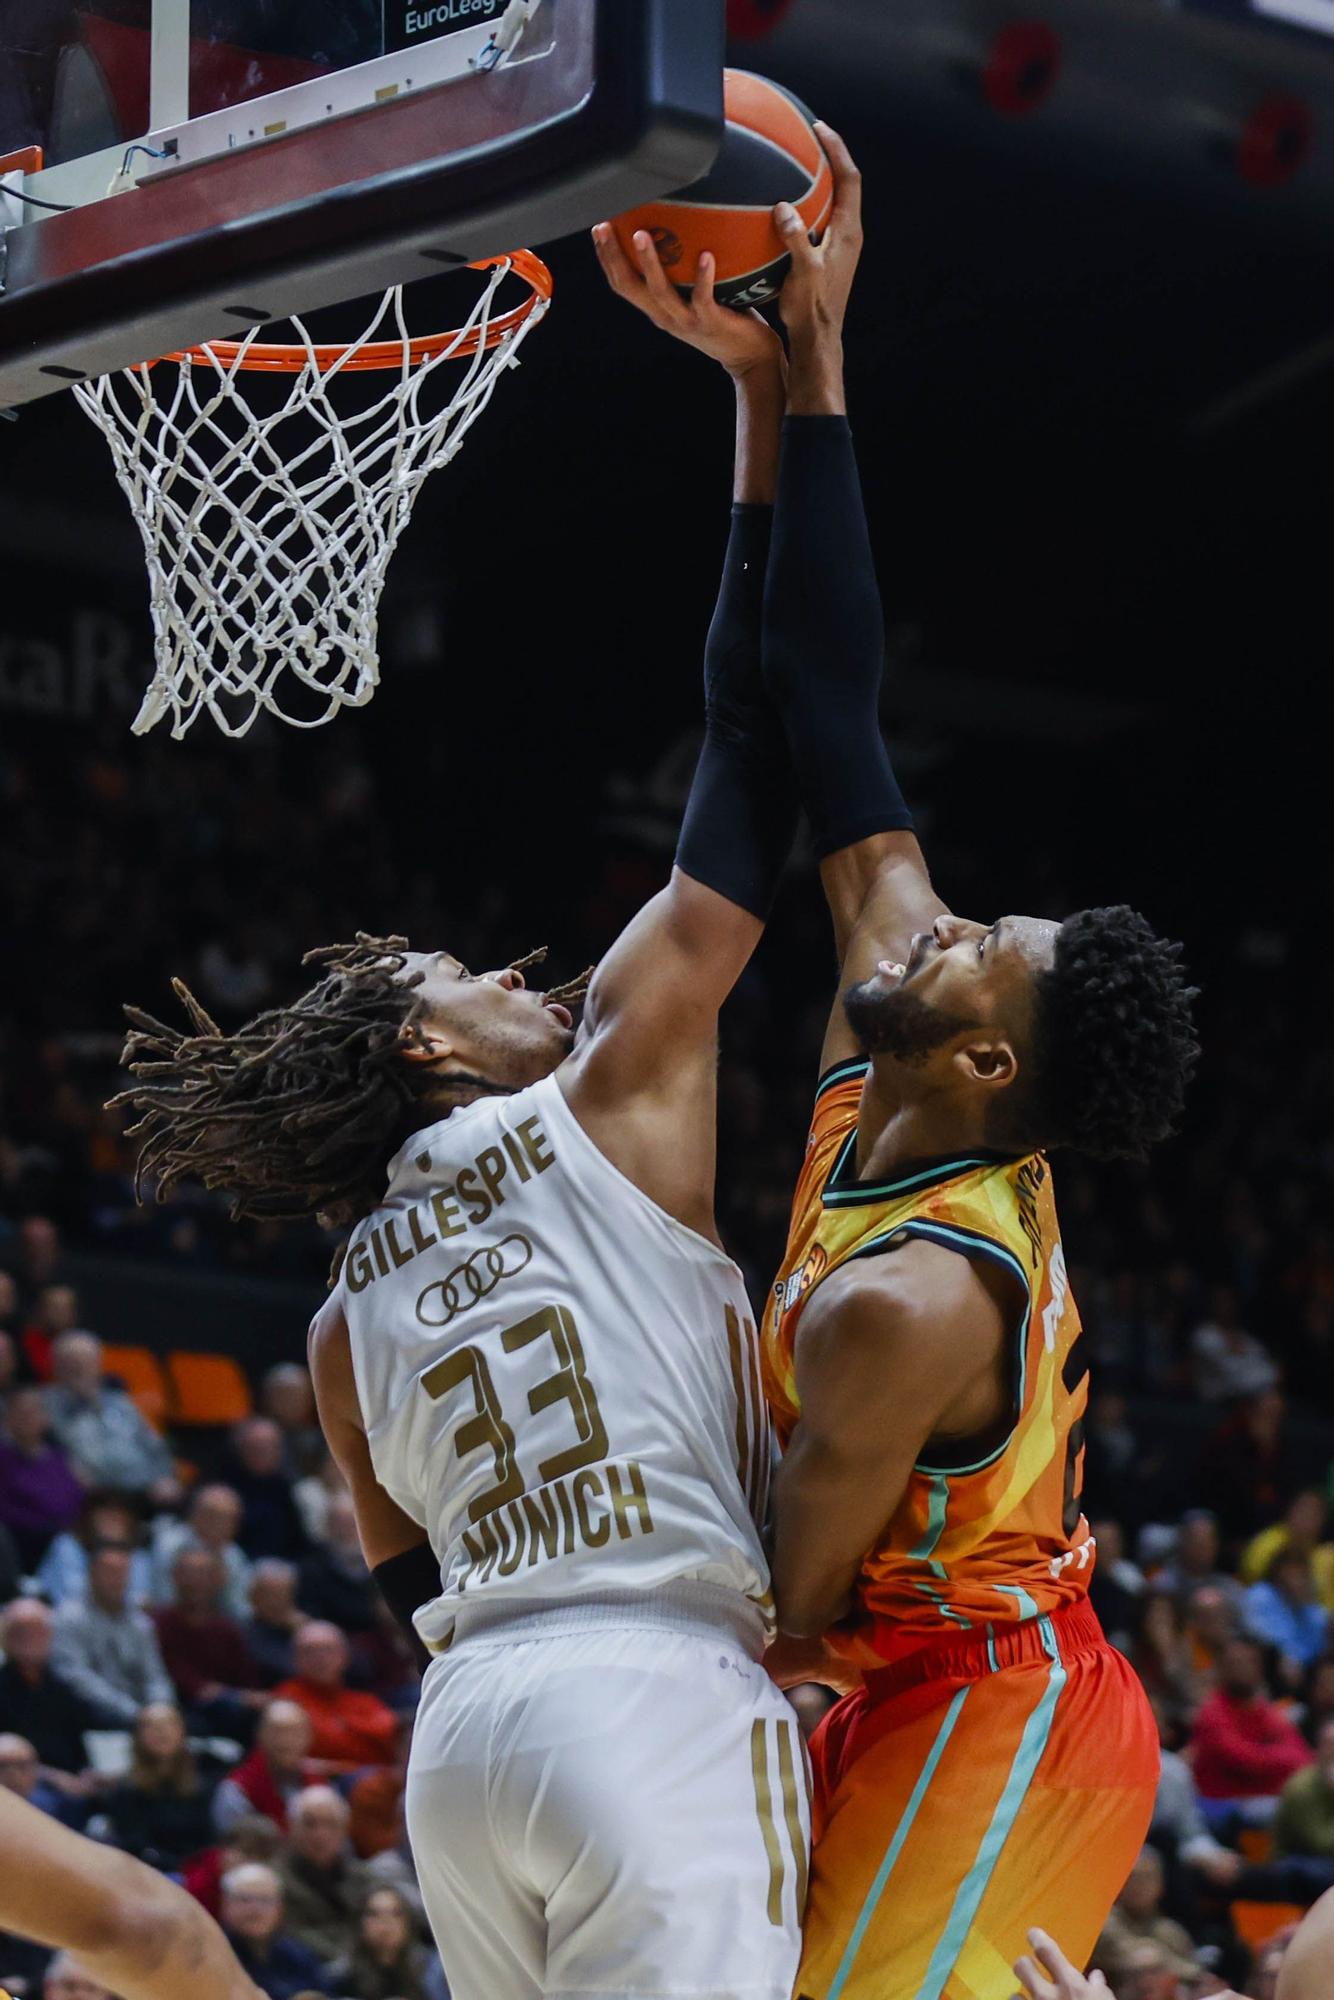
(642, 1079)
(886, 1352)
(384, 1529)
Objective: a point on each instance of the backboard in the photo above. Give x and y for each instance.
(173, 171)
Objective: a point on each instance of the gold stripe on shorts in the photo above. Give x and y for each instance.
(787, 1771)
(764, 1806)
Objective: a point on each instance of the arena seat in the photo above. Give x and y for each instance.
(141, 1372)
(207, 1389)
(1256, 1923)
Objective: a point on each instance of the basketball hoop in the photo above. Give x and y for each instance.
(269, 531)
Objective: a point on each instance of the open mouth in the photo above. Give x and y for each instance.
(562, 1014)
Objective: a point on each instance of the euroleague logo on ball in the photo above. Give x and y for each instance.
(668, 245)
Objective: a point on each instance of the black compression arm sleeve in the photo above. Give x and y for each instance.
(824, 638)
(406, 1582)
(741, 815)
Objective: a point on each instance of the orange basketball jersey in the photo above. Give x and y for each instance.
(990, 1530)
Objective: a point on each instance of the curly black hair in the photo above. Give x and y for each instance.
(1112, 1044)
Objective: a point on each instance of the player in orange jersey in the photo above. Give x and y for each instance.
(922, 1349)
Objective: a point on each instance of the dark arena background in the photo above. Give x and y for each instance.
(1091, 371)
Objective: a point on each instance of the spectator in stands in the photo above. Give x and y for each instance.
(1118, 1586)
(9, 1354)
(1162, 1656)
(1178, 1831)
(252, 1919)
(376, 1798)
(1244, 1748)
(253, 1838)
(1318, 1706)
(350, 1728)
(67, 1980)
(160, 1810)
(39, 1493)
(288, 1398)
(1282, 1612)
(106, 1649)
(55, 1311)
(1302, 1530)
(204, 1650)
(273, 1620)
(104, 1517)
(272, 1775)
(211, 1522)
(38, 1702)
(1228, 1362)
(1195, 1563)
(333, 1581)
(313, 1495)
(9, 1315)
(109, 1443)
(1211, 1621)
(1245, 1472)
(271, 1519)
(38, 1260)
(324, 1885)
(21, 1773)
(387, 1962)
(1304, 1822)
(1137, 1918)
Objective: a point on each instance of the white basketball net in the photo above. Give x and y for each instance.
(268, 536)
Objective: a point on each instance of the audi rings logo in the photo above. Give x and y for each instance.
(473, 1280)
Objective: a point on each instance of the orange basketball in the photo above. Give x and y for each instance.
(770, 153)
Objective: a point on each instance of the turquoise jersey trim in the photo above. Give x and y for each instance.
(841, 1072)
(858, 1193)
(1037, 1733)
(904, 1828)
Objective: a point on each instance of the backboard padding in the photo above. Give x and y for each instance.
(627, 105)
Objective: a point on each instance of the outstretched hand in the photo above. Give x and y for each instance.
(814, 300)
(740, 341)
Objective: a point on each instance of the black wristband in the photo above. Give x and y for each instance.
(406, 1582)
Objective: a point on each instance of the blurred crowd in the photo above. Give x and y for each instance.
(195, 1663)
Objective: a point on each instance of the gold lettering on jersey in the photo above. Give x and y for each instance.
(622, 1502)
(479, 1191)
(1028, 1181)
(578, 1511)
(358, 1269)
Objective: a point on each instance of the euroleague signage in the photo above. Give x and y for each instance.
(408, 22)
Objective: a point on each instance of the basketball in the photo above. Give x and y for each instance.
(770, 153)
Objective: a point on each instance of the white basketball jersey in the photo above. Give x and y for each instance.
(558, 1381)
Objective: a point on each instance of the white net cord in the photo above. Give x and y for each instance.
(268, 536)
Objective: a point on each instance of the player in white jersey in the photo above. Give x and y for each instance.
(538, 1371)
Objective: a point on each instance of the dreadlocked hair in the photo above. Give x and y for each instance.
(1113, 1044)
(296, 1114)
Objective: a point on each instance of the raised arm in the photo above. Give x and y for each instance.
(822, 596)
(642, 1077)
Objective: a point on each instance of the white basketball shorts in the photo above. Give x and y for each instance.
(611, 1799)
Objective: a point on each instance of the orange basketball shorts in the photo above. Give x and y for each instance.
(970, 1791)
